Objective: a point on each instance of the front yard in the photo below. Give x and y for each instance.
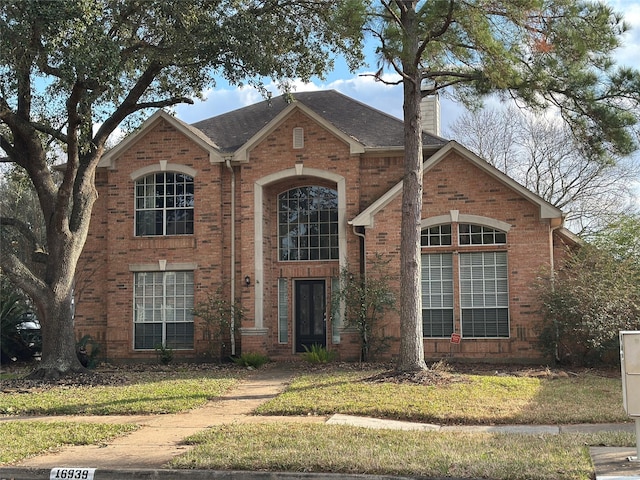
(445, 396)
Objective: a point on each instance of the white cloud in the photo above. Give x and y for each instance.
(628, 54)
(387, 98)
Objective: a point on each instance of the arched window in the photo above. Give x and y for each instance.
(308, 224)
(436, 235)
(478, 279)
(164, 204)
(470, 234)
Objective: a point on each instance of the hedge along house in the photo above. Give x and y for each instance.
(267, 204)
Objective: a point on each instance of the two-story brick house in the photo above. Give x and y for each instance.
(267, 203)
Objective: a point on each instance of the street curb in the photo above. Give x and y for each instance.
(166, 474)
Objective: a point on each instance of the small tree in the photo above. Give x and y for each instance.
(219, 315)
(594, 296)
(363, 300)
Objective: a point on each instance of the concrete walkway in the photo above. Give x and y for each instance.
(159, 439)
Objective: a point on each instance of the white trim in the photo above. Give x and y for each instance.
(157, 266)
(110, 157)
(258, 220)
(547, 211)
(465, 218)
(163, 166)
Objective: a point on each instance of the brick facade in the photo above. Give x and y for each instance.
(105, 306)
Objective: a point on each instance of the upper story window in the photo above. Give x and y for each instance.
(308, 224)
(436, 236)
(469, 234)
(164, 204)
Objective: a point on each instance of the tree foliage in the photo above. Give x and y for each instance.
(540, 153)
(362, 301)
(594, 296)
(540, 52)
(72, 71)
(220, 317)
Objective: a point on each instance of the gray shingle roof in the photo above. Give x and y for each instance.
(371, 127)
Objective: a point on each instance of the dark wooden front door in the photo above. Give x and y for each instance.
(310, 314)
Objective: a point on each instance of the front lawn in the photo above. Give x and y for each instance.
(25, 439)
(135, 393)
(342, 449)
(465, 399)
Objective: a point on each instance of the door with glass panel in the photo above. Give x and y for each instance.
(310, 301)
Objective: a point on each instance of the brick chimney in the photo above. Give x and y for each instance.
(430, 108)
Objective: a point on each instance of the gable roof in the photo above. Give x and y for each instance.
(371, 128)
(235, 133)
(242, 154)
(109, 158)
(547, 210)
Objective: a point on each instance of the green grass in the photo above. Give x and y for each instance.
(25, 439)
(473, 399)
(146, 393)
(341, 449)
(470, 399)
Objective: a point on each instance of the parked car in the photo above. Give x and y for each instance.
(23, 340)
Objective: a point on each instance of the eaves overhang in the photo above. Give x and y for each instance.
(110, 157)
(243, 153)
(547, 211)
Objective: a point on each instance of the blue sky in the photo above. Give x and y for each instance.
(365, 89)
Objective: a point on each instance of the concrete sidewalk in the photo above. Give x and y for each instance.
(143, 453)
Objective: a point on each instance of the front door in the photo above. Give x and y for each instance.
(310, 314)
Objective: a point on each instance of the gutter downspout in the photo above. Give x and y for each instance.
(363, 254)
(232, 326)
(553, 282)
(363, 280)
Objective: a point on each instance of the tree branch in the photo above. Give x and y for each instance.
(24, 231)
(20, 275)
(163, 103)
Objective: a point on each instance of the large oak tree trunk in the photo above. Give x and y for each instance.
(59, 355)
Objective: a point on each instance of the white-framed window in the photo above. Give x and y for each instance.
(163, 310)
(308, 224)
(298, 137)
(437, 294)
(479, 279)
(470, 234)
(436, 236)
(484, 294)
(164, 204)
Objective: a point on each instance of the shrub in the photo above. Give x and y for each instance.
(88, 356)
(220, 316)
(363, 300)
(251, 359)
(165, 354)
(318, 354)
(590, 299)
